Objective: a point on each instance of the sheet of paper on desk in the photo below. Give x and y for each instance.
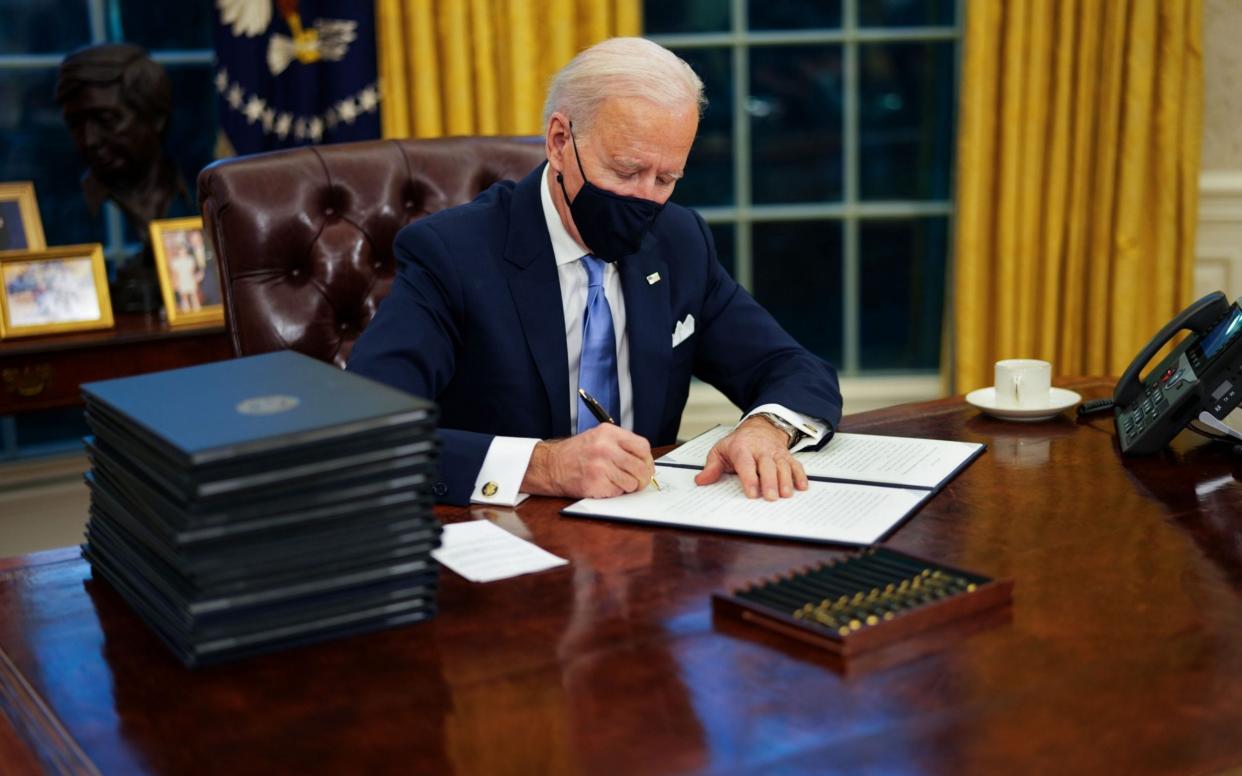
(841, 512)
(916, 463)
(482, 551)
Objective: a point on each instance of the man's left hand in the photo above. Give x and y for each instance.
(758, 452)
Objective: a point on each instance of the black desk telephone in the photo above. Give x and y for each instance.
(1204, 372)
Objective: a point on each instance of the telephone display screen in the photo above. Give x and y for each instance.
(1221, 334)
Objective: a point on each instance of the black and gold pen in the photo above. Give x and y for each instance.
(602, 416)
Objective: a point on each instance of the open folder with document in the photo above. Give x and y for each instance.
(862, 486)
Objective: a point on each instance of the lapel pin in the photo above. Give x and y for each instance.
(653, 278)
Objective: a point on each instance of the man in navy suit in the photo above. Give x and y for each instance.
(581, 275)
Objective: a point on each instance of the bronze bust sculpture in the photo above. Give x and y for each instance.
(117, 102)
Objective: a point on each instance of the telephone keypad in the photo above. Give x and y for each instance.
(1144, 413)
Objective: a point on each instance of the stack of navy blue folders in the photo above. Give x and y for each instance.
(261, 503)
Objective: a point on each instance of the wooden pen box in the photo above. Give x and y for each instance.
(864, 601)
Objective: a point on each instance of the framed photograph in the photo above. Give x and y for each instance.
(53, 291)
(21, 229)
(189, 277)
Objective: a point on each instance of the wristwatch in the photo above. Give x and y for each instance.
(795, 434)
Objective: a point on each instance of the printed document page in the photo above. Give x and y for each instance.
(915, 463)
(482, 551)
(828, 511)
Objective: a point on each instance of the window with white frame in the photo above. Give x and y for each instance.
(823, 164)
(35, 145)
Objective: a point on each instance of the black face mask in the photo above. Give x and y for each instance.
(611, 225)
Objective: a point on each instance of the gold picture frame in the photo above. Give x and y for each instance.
(53, 291)
(21, 228)
(189, 276)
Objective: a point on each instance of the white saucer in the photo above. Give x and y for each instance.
(1059, 400)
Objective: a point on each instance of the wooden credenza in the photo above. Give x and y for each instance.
(39, 373)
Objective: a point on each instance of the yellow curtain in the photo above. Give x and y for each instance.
(482, 67)
(1077, 181)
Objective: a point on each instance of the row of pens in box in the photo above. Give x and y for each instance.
(861, 591)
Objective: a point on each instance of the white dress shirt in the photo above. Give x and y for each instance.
(507, 459)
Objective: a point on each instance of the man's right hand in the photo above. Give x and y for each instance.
(603, 462)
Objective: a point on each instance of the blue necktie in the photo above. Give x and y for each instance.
(597, 374)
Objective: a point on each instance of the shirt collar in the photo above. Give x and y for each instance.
(564, 248)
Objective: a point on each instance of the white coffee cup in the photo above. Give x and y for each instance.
(1023, 383)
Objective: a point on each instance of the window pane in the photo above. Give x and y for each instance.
(793, 14)
(709, 171)
(155, 24)
(191, 137)
(902, 292)
(905, 13)
(797, 277)
(795, 110)
(906, 120)
(726, 243)
(661, 16)
(35, 146)
(43, 26)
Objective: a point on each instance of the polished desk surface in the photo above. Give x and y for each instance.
(1122, 653)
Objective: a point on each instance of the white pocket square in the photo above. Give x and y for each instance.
(683, 330)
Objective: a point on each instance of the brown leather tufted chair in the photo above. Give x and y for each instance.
(304, 237)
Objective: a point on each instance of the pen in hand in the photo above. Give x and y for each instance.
(602, 416)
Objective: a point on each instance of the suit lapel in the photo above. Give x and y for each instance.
(648, 322)
(530, 270)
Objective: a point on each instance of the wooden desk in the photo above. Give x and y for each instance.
(38, 373)
(1123, 654)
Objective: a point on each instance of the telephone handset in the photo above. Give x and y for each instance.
(1201, 374)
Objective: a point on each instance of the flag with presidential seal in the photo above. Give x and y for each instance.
(293, 72)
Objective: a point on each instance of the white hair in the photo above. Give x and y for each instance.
(621, 67)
